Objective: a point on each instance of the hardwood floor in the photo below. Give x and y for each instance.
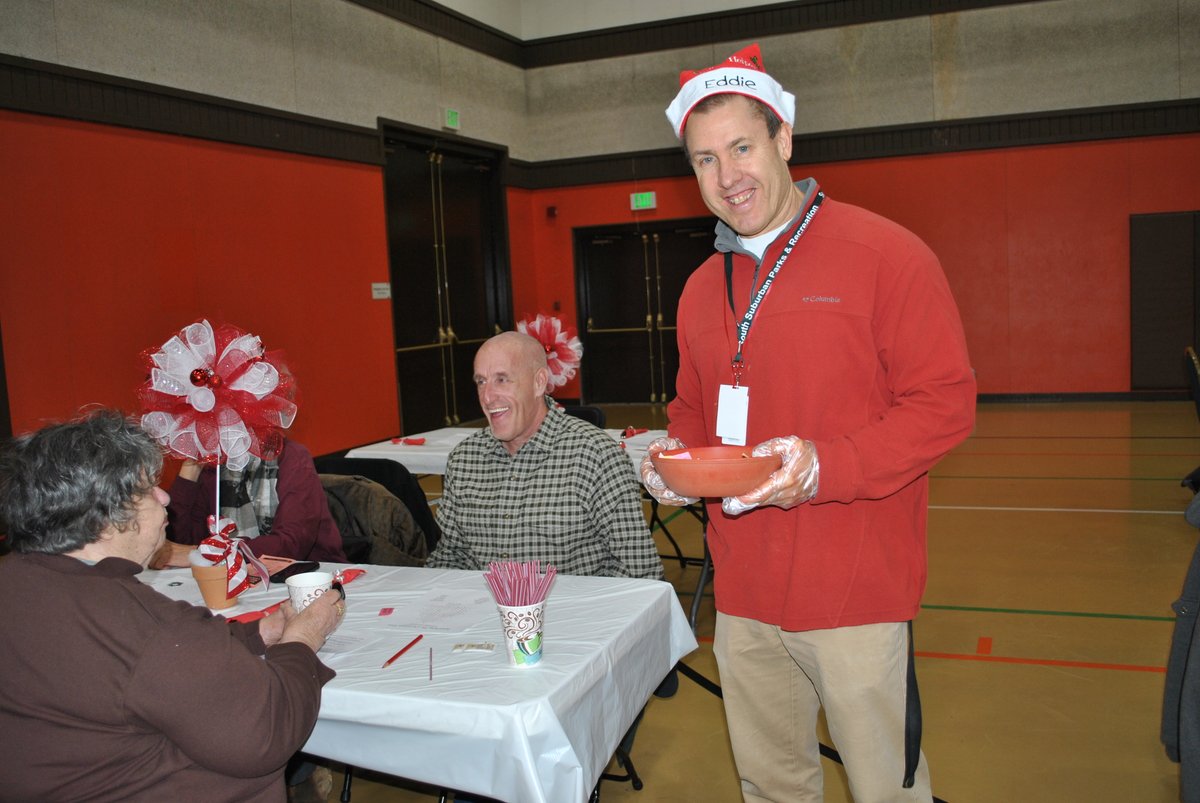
(1056, 546)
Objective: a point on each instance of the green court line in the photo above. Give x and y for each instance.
(1027, 612)
(1049, 613)
(668, 519)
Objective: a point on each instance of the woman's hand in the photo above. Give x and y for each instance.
(171, 556)
(314, 624)
(271, 626)
(190, 470)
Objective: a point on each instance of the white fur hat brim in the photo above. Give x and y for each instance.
(730, 81)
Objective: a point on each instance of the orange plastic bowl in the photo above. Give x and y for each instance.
(714, 470)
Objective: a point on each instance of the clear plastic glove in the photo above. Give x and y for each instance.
(793, 483)
(653, 482)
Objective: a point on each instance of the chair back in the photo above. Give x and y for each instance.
(593, 415)
(376, 526)
(393, 476)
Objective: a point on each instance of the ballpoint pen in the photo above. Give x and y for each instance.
(403, 650)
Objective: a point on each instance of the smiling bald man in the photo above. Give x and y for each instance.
(538, 484)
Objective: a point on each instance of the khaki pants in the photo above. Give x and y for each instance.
(774, 682)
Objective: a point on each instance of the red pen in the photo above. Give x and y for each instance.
(403, 650)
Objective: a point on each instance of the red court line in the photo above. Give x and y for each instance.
(1070, 454)
(1003, 659)
(1039, 662)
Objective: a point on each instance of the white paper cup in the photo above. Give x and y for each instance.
(522, 633)
(306, 587)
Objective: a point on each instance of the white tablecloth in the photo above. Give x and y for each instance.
(430, 457)
(544, 733)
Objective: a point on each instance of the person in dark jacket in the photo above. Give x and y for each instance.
(1181, 691)
(94, 703)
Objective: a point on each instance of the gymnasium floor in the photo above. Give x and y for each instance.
(1056, 546)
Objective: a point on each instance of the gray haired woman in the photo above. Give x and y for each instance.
(112, 691)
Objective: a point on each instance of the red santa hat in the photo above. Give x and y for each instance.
(740, 74)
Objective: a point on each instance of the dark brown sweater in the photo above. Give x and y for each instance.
(111, 691)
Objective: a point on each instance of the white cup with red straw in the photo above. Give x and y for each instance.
(520, 591)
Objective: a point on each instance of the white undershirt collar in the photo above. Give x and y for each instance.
(757, 245)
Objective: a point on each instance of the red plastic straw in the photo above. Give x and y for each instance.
(519, 584)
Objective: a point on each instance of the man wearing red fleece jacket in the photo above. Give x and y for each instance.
(828, 335)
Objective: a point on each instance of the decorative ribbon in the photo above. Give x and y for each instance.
(223, 546)
(216, 396)
(563, 349)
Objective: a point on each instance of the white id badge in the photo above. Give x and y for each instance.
(733, 408)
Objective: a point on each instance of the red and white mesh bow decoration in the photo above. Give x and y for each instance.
(563, 349)
(217, 396)
(223, 545)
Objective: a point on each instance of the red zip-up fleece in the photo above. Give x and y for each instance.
(858, 347)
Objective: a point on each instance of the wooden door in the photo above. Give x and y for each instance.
(677, 251)
(1164, 297)
(449, 271)
(628, 281)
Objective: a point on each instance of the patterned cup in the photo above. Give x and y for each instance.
(522, 633)
(306, 587)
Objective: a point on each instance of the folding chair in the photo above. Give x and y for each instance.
(593, 415)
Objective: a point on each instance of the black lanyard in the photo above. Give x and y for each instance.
(743, 326)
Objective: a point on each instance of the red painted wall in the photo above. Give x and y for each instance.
(1035, 242)
(113, 239)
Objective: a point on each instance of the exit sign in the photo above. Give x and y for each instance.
(450, 119)
(642, 200)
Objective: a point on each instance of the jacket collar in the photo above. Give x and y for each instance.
(727, 238)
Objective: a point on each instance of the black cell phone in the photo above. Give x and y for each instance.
(299, 567)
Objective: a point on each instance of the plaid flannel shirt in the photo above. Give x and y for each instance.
(569, 497)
